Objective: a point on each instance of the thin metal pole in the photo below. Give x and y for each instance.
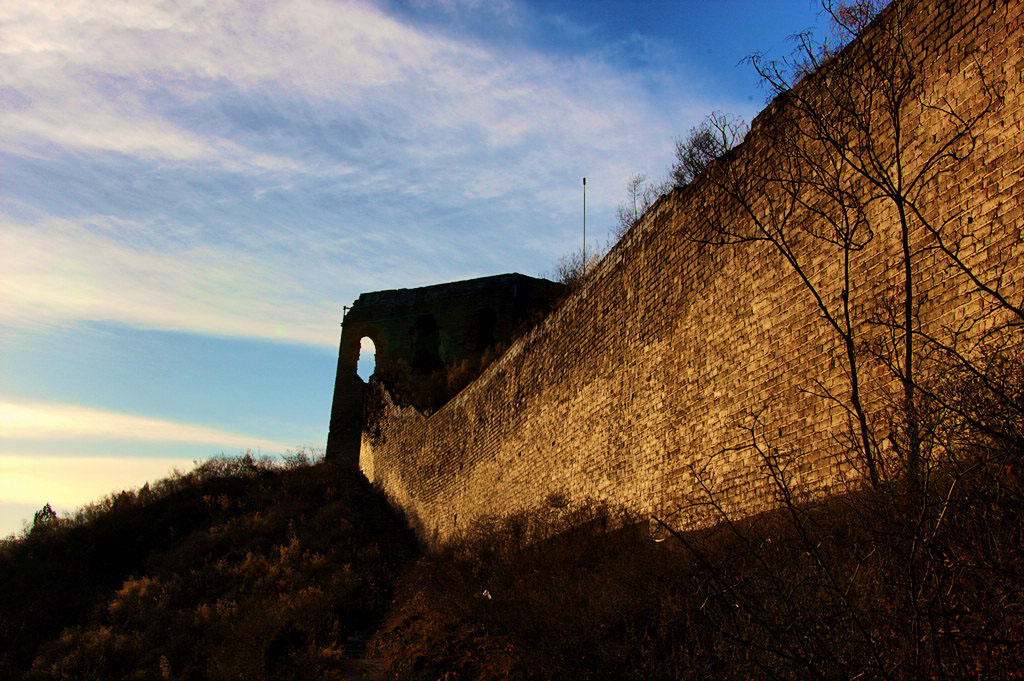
(584, 223)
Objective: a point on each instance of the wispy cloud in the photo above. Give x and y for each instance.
(58, 269)
(147, 79)
(31, 420)
(246, 168)
(276, 287)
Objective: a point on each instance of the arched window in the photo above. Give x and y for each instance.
(367, 358)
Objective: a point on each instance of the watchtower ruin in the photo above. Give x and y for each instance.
(418, 332)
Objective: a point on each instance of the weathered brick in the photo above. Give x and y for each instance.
(648, 387)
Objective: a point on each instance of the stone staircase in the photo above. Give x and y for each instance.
(358, 668)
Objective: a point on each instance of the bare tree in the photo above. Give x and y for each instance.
(640, 196)
(845, 153)
(572, 269)
(850, 162)
(707, 142)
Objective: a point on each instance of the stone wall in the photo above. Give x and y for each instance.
(648, 386)
(417, 332)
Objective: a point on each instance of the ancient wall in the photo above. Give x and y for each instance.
(417, 332)
(648, 385)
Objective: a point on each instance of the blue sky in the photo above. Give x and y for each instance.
(191, 191)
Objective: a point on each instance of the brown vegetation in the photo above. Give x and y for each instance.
(239, 569)
(859, 586)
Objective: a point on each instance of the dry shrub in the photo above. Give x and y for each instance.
(239, 569)
(896, 582)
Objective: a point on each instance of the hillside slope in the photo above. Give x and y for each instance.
(238, 569)
(247, 570)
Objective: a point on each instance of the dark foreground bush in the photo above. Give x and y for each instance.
(871, 585)
(239, 569)
(535, 597)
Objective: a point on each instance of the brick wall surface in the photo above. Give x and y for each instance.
(643, 388)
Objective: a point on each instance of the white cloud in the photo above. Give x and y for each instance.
(58, 269)
(403, 128)
(505, 10)
(97, 129)
(91, 74)
(32, 420)
(29, 480)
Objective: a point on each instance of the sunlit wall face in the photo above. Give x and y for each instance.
(191, 192)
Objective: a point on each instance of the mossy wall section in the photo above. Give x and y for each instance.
(648, 387)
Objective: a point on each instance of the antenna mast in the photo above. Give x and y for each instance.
(584, 223)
